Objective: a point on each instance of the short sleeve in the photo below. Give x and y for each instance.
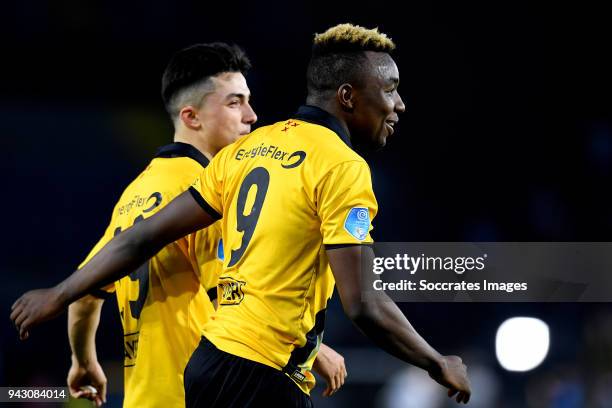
(110, 288)
(207, 189)
(346, 204)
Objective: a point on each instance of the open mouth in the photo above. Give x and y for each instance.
(390, 124)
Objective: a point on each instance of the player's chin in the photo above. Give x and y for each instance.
(377, 143)
(381, 141)
(372, 145)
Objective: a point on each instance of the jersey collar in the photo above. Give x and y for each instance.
(179, 149)
(313, 114)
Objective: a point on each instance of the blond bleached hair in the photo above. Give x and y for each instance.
(349, 37)
(339, 56)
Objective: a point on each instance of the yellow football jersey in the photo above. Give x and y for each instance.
(285, 192)
(164, 304)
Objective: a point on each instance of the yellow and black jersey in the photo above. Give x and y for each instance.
(163, 304)
(285, 192)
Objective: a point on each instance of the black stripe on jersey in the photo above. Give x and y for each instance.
(300, 355)
(212, 293)
(205, 206)
(318, 116)
(338, 246)
(179, 149)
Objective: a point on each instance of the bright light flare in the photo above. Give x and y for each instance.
(522, 343)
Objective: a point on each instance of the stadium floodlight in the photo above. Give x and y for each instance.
(521, 343)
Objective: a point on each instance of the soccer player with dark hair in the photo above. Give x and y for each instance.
(165, 302)
(295, 200)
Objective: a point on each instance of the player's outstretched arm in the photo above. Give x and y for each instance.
(85, 374)
(329, 364)
(118, 258)
(382, 321)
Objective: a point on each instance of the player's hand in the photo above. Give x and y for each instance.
(34, 307)
(81, 379)
(452, 374)
(330, 366)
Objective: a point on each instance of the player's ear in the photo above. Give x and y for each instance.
(189, 116)
(346, 97)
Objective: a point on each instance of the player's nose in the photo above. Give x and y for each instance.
(399, 105)
(249, 116)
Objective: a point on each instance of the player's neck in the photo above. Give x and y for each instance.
(331, 108)
(196, 142)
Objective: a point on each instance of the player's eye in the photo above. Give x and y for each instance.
(391, 90)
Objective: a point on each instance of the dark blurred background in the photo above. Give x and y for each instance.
(507, 136)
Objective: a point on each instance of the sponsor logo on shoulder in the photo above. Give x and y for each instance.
(357, 222)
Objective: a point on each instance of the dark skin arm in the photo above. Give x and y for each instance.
(117, 259)
(382, 321)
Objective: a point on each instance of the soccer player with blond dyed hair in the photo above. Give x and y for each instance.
(297, 203)
(165, 302)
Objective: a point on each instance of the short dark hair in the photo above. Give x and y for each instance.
(338, 55)
(196, 64)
